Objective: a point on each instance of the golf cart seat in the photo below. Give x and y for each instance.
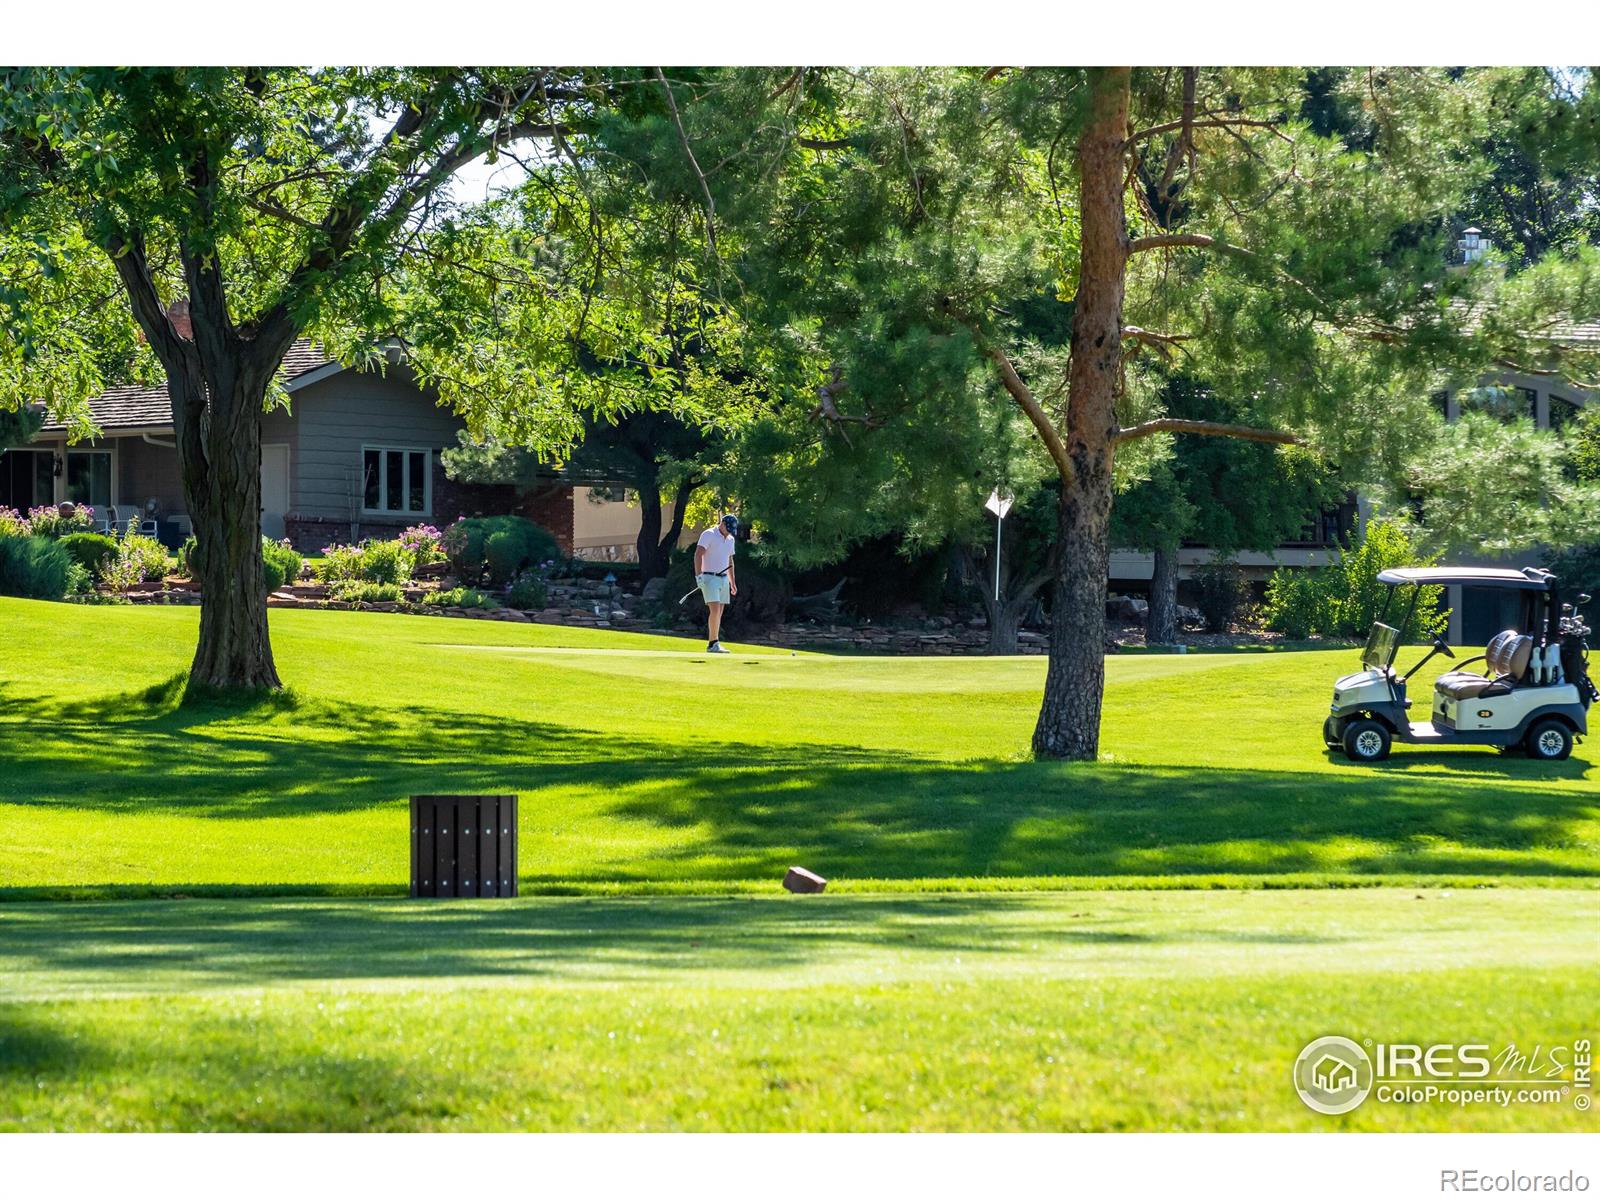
(1507, 657)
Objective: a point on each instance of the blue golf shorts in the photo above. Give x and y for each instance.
(714, 588)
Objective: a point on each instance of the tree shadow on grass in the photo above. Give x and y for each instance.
(743, 812)
(88, 949)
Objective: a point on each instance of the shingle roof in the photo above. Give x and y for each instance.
(137, 407)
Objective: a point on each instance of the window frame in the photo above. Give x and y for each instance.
(383, 450)
(110, 456)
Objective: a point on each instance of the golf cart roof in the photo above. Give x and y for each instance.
(1529, 579)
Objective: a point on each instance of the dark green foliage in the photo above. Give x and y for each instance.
(1227, 494)
(17, 426)
(185, 556)
(764, 591)
(1221, 593)
(494, 549)
(884, 575)
(528, 591)
(1578, 569)
(35, 567)
(94, 552)
(280, 564)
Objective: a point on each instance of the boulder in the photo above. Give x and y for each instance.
(654, 591)
(1126, 608)
(803, 882)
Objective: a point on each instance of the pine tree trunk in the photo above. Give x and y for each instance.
(1161, 626)
(220, 455)
(1069, 718)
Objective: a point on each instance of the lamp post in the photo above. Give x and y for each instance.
(999, 505)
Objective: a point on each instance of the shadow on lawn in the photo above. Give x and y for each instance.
(82, 949)
(742, 812)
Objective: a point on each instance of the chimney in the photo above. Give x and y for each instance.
(178, 317)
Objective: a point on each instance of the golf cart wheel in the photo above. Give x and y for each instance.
(1366, 741)
(1330, 733)
(1550, 740)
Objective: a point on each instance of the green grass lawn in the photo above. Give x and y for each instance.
(643, 765)
(294, 996)
(1065, 1011)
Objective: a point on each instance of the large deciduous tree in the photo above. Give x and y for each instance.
(274, 203)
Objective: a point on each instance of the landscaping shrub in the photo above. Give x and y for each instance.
(529, 591)
(185, 555)
(384, 562)
(1343, 599)
(37, 568)
(94, 552)
(139, 559)
(363, 591)
(461, 597)
(495, 549)
(13, 523)
(280, 563)
(1221, 593)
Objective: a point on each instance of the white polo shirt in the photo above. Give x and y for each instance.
(719, 550)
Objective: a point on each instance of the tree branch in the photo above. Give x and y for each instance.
(1165, 241)
(1151, 337)
(1249, 433)
(1203, 123)
(1024, 398)
(683, 139)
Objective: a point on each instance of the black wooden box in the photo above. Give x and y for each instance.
(463, 845)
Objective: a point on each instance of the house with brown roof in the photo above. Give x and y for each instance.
(354, 455)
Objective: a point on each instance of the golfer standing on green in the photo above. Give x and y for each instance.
(713, 571)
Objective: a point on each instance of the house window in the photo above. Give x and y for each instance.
(89, 477)
(396, 480)
(1503, 402)
(1441, 401)
(1562, 412)
(26, 479)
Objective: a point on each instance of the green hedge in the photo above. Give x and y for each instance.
(37, 568)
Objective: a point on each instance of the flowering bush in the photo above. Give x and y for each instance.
(13, 523)
(425, 544)
(372, 561)
(139, 559)
(339, 562)
(51, 522)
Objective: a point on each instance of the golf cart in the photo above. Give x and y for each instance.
(1534, 692)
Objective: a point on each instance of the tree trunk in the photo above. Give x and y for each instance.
(1069, 718)
(1161, 626)
(218, 426)
(1003, 621)
(656, 544)
(652, 558)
